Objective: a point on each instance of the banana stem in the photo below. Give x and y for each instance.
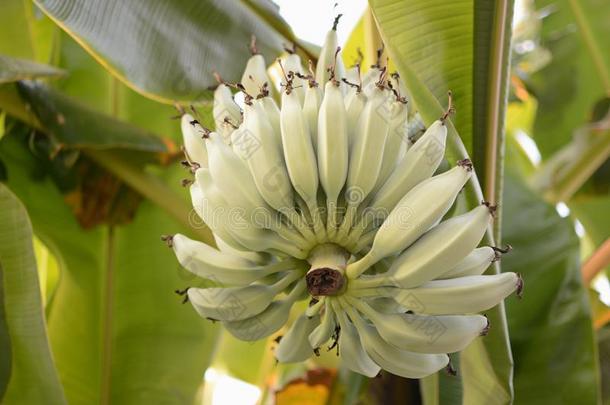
(327, 273)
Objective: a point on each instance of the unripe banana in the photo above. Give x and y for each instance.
(314, 308)
(353, 355)
(228, 247)
(425, 334)
(329, 58)
(221, 267)
(292, 63)
(396, 141)
(235, 224)
(266, 163)
(419, 163)
(294, 345)
(237, 303)
(366, 155)
(367, 150)
(300, 157)
(225, 110)
(272, 112)
(370, 79)
(463, 295)
(193, 134)
(354, 104)
(352, 80)
(474, 264)
(439, 249)
(323, 332)
(269, 321)
(212, 207)
(231, 175)
(298, 151)
(311, 109)
(255, 75)
(332, 148)
(415, 213)
(399, 362)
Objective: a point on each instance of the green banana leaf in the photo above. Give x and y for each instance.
(168, 50)
(27, 372)
(432, 44)
(13, 69)
(75, 126)
(578, 74)
(592, 212)
(25, 34)
(551, 329)
(118, 332)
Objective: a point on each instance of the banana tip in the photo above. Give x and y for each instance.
(520, 285)
(466, 164)
(168, 239)
(450, 370)
(485, 330)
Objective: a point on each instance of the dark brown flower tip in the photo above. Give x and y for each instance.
(450, 370)
(316, 351)
(186, 182)
(520, 286)
(498, 252)
(336, 21)
(485, 330)
(290, 48)
(493, 208)
(450, 108)
(333, 69)
(324, 281)
(168, 239)
(466, 164)
(184, 293)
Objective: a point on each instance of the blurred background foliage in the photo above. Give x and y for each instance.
(90, 179)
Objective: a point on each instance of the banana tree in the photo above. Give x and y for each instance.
(359, 210)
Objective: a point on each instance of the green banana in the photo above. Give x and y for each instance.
(474, 264)
(294, 345)
(352, 353)
(399, 362)
(425, 333)
(237, 303)
(419, 163)
(415, 213)
(328, 58)
(439, 249)
(396, 144)
(463, 295)
(267, 322)
(292, 63)
(227, 114)
(209, 263)
(311, 108)
(332, 149)
(323, 332)
(193, 134)
(255, 75)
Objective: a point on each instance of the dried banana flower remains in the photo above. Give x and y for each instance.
(323, 198)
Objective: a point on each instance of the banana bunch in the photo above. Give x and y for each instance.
(319, 194)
